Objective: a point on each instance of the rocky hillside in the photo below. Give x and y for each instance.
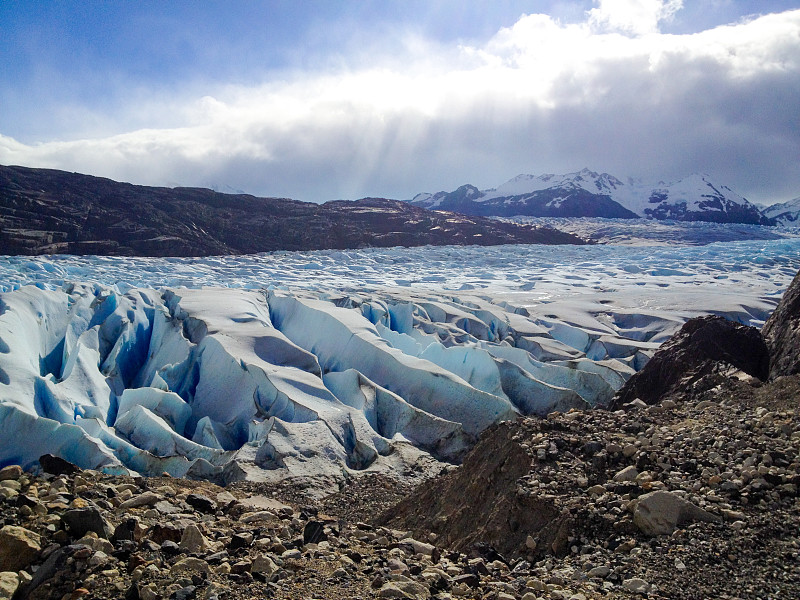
(687, 499)
(54, 212)
(702, 346)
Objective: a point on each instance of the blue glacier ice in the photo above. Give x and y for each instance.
(320, 364)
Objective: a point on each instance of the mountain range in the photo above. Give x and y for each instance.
(44, 211)
(589, 194)
(785, 212)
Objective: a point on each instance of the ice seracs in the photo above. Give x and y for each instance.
(368, 360)
(238, 383)
(226, 384)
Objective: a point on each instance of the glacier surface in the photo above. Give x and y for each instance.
(322, 364)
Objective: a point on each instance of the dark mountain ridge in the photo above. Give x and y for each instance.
(565, 201)
(46, 211)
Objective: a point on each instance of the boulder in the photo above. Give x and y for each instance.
(404, 589)
(143, 499)
(627, 474)
(19, 547)
(782, 333)
(636, 585)
(201, 503)
(264, 564)
(80, 521)
(55, 465)
(314, 532)
(412, 546)
(9, 582)
(189, 565)
(125, 530)
(660, 512)
(162, 532)
(193, 540)
(10, 472)
(701, 345)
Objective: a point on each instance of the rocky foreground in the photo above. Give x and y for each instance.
(694, 498)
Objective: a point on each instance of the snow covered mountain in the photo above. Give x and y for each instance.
(785, 213)
(589, 194)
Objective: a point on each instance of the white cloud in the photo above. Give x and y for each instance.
(637, 17)
(539, 96)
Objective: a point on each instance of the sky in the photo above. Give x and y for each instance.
(319, 100)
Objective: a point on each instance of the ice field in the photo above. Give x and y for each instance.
(317, 364)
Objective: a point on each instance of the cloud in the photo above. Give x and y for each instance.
(611, 93)
(632, 16)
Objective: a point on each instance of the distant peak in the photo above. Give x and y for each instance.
(697, 177)
(524, 177)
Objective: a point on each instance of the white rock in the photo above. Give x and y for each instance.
(660, 512)
(264, 564)
(144, 499)
(193, 539)
(636, 585)
(627, 474)
(9, 582)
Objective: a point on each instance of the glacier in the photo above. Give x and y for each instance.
(325, 364)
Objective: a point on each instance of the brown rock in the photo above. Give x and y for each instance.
(9, 582)
(699, 347)
(10, 472)
(782, 333)
(161, 532)
(19, 547)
